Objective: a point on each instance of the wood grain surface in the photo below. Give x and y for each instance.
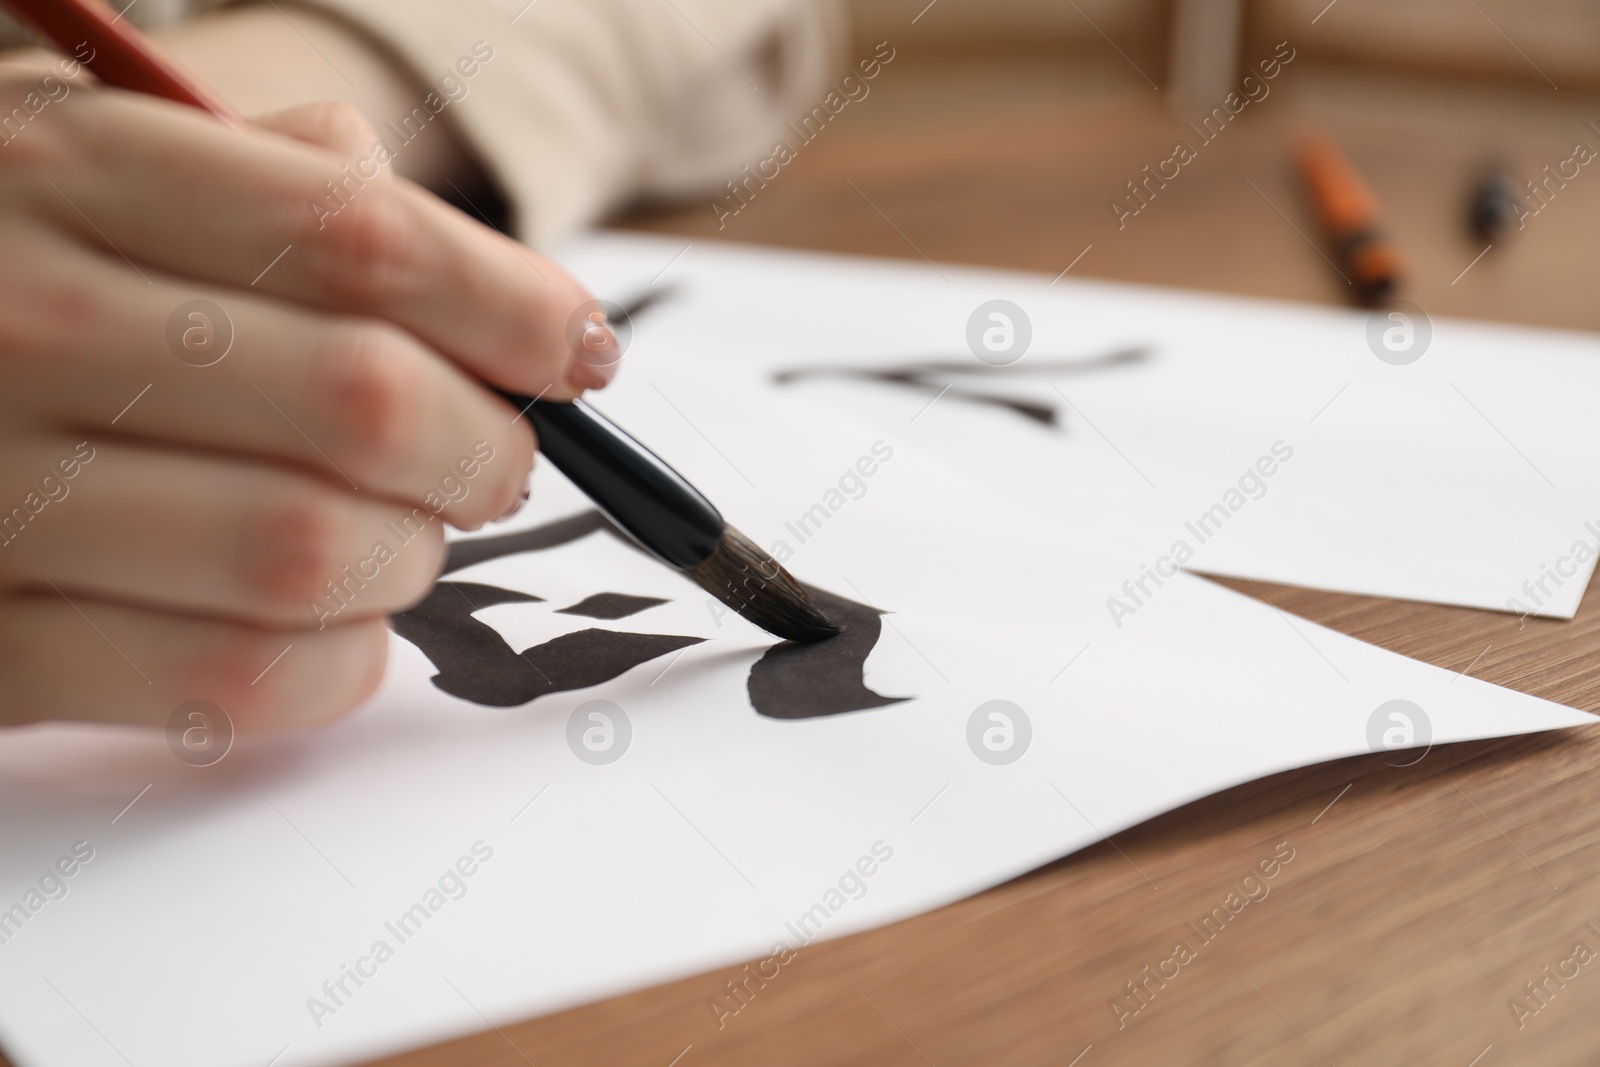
(1420, 899)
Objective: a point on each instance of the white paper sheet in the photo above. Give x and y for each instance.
(1465, 477)
(219, 900)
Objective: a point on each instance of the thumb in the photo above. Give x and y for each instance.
(337, 127)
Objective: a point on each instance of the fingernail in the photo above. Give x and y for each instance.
(522, 500)
(599, 352)
(583, 376)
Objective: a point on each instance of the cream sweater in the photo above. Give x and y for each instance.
(588, 104)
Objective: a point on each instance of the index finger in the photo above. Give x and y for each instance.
(255, 210)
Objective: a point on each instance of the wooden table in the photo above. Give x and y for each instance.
(1420, 899)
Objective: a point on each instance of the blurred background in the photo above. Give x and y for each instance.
(1002, 132)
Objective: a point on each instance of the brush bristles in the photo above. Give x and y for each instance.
(751, 582)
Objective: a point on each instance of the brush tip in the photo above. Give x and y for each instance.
(751, 582)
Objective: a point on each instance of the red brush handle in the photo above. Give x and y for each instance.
(121, 55)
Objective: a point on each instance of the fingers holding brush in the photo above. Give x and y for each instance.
(257, 210)
(355, 402)
(342, 129)
(176, 513)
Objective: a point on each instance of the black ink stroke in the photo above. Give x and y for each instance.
(463, 554)
(476, 664)
(937, 377)
(793, 681)
(649, 298)
(610, 606)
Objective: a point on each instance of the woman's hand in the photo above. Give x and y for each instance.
(232, 424)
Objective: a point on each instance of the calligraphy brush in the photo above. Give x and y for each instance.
(670, 519)
(632, 485)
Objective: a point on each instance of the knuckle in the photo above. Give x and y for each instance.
(220, 667)
(231, 658)
(51, 313)
(375, 388)
(340, 126)
(291, 550)
(363, 255)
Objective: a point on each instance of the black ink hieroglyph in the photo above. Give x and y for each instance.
(938, 377)
(474, 662)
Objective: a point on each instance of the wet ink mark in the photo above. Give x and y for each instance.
(793, 681)
(610, 606)
(934, 377)
(474, 662)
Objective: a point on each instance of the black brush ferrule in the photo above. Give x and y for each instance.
(633, 486)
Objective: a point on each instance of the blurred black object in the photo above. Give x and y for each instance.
(1493, 206)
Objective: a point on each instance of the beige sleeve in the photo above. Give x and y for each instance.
(576, 107)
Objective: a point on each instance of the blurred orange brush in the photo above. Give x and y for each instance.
(1348, 213)
(117, 53)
